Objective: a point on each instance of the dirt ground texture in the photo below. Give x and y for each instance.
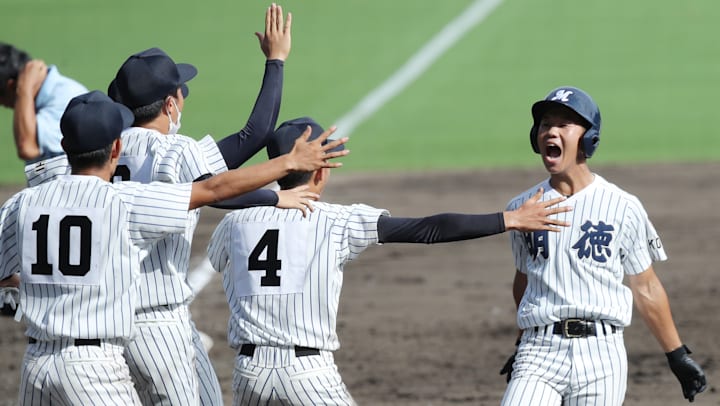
(433, 324)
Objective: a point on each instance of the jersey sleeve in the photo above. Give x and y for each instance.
(360, 230)
(46, 170)
(9, 245)
(158, 209)
(183, 160)
(641, 244)
(216, 250)
(212, 155)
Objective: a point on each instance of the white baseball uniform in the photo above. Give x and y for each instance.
(167, 360)
(77, 243)
(578, 273)
(282, 275)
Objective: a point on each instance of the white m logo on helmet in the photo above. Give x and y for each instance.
(562, 95)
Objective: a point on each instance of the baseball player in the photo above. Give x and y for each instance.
(77, 242)
(572, 303)
(38, 94)
(282, 275)
(154, 87)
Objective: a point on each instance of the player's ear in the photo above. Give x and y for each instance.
(116, 147)
(319, 176)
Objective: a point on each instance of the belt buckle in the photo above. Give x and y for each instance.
(566, 329)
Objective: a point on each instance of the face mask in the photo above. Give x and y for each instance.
(173, 128)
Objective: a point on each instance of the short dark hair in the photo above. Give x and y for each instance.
(144, 114)
(91, 159)
(12, 61)
(294, 179)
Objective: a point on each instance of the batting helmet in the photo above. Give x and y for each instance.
(579, 102)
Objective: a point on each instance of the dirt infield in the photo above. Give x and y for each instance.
(433, 325)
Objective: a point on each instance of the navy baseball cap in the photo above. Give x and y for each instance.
(283, 140)
(92, 121)
(149, 76)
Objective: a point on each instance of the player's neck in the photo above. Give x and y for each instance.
(159, 124)
(571, 182)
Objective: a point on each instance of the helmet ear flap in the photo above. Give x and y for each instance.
(591, 140)
(533, 139)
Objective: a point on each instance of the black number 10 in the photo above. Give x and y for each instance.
(43, 267)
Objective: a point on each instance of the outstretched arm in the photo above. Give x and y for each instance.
(532, 215)
(305, 156)
(237, 148)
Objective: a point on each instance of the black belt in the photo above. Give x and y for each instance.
(78, 341)
(579, 328)
(249, 350)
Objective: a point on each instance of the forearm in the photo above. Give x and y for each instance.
(652, 303)
(237, 148)
(439, 228)
(260, 197)
(25, 127)
(238, 181)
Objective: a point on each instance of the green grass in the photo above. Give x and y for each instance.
(650, 66)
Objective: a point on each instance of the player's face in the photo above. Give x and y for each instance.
(559, 135)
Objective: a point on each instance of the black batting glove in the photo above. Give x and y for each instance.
(687, 371)
(508, 367)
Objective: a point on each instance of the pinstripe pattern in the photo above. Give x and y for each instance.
(168, 371)
(274, 376)
(57, 373)
(583, 287)
(336, 235)
(135, 216)
(578, 273)
(552, 370)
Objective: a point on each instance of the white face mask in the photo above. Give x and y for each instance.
(173, 128)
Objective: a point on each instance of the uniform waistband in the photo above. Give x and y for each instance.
(249, 350)
(578, 328)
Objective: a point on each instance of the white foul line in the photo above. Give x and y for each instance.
(415, 66)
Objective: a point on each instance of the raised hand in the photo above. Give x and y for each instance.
(534, 215)
(308, 156)
(275, 42)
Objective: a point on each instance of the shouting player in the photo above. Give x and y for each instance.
(571, 300)
(77, 240)
(282, 275)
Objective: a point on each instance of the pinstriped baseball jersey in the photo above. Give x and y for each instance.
(46, 170)
(77, 242)
(578, 272)
(282, 273)
(148, 155)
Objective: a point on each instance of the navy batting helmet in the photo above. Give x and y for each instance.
(579, 102)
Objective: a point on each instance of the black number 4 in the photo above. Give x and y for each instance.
(271, 264)
(43, 267)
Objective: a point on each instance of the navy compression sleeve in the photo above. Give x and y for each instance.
(444, 227)
(237, 148)
(259, 197)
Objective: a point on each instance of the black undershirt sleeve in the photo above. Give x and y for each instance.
(237, 148)
(445, 227)
(259, 197)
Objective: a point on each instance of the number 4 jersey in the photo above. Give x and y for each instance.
(282, 273)
(77, 242)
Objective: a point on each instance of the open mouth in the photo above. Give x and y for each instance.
(552, 151)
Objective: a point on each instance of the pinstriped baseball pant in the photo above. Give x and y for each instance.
(161, 357)
(59, 373)
(275, 376)
(209, 385)
(551, 370)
